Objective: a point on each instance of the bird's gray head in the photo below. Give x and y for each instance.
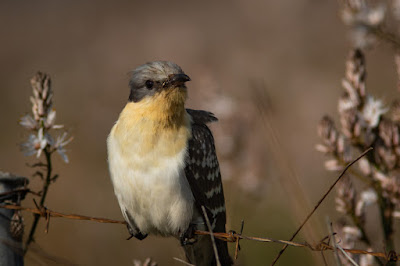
(154, 77)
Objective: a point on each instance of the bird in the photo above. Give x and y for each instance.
(163, 165)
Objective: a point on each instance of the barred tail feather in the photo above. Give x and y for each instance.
(202, 253)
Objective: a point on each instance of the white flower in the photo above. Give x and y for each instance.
(28, 122)
(372, 111)
(50, 120)
(59, 145)
(35, 144)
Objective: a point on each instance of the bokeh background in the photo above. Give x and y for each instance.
(289, 54)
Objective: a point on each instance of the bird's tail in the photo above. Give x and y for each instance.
(201, 253)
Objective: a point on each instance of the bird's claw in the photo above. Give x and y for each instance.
(135, 233)
(188, 238)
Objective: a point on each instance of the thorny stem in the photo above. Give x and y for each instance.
(46, 185)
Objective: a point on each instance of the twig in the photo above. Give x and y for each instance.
(319, 203)
(17, 191)
(212, 236)
(329, 223)
(237, 241)
(345, 254)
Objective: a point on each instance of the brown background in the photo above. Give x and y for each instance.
(297, 48)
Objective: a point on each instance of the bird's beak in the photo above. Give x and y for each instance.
(178, 79)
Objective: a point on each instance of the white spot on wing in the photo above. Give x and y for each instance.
(215, 211)
(214, 190)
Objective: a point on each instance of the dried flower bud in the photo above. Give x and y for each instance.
(42, 95)
(326, 129)
(389, 133)
(350, 99)
(333, 142)
(345, 196)
(356, 72)
(328, 133)
(351, 127)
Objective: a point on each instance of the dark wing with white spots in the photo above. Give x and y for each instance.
(203, 174)
(202, 170)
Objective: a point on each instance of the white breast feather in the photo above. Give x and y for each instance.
(153, 188)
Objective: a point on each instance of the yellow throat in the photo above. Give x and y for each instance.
(154, 120)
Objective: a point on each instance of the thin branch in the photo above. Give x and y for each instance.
(319, 203)
(19, 191)
(212, 236)
(332, 235)
(346, 255)
(237, 241)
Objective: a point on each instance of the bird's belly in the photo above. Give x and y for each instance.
(152, 188)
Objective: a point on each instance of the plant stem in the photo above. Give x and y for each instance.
(386, 208)
(46, 185)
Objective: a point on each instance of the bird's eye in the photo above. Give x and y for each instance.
(149, 84)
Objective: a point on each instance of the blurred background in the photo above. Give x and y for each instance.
(288, 55)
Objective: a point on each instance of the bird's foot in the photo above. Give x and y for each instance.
(188, 237)
(139, 236)
(135, 233)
